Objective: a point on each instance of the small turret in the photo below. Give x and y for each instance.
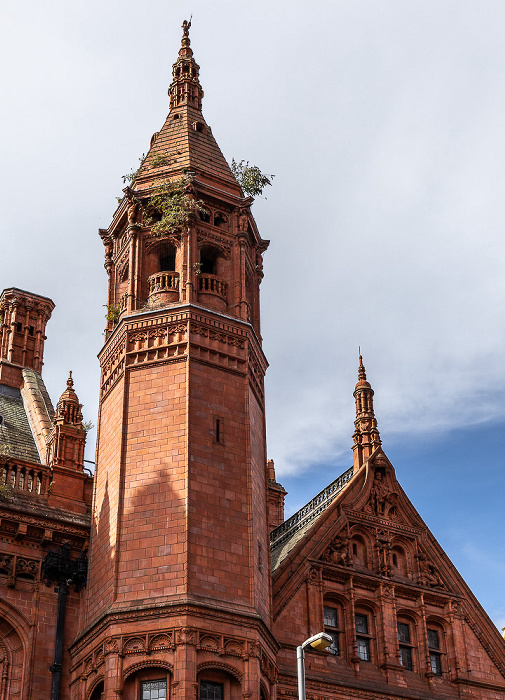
(65, 450)
(23, 318)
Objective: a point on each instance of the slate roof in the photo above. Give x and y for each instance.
(16, 437)
(285, 537)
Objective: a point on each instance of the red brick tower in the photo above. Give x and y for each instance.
(179, 594)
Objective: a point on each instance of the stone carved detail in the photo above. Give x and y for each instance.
(268, 668)
(234, 648)
(186, 635)
(134, 645)
(161, 641)
(381, 496)
(99, 657)
(13, 566)
(6, 563)
(220, 336)
(315, 575)
(209, 642)
(383, 549)
(428, 572)
(338, 551)
(27, 567)
(111, 646)
(89, 667)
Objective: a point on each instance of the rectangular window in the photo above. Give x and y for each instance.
(330, 617)
(406, 657)
(331, 628)
(361, 622)
(436, 663)
(211, 691)
(403, 633)
(154, 690)
(363, 648)
(433, 640)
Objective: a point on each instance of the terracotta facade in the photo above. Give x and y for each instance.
(197, 587)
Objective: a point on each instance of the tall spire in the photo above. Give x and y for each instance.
(185, 88)
(366, 435)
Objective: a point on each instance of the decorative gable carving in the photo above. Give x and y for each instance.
(338, 551)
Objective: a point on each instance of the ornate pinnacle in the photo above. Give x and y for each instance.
(185, 49)
(366, 435)
(70, 381)
(185, 89)
(361, 370)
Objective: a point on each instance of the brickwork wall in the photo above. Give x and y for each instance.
(100, 589)
(261, 543)
(220, 536)
(152, 541)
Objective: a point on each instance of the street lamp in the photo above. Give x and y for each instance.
(318, 641)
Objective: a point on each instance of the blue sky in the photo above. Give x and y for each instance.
(383, 124)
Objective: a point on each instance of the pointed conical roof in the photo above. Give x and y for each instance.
(185, 142)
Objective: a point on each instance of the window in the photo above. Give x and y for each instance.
(211, 691)
(434, 651)
(208, 257)
(405, 645)
(154, 690)
(331, 628)
(362, 636)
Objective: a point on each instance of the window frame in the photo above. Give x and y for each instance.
(363, 639)
(405, 645)
(435, 652)
(152, 681)
(333, 630)
(213, 683)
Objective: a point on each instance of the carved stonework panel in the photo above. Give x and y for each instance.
(383, 497)
(428, 573)
(134, 645)
(383, 550)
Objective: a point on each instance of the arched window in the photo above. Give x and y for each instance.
(217, 684)
(208, 259)
(149, 683)
(39, 483)
(13, 476)
(333, 624)
(359, 551)
(21, 483)
(399, 561)
(167, 260)
(29, 484)
(97, 693)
